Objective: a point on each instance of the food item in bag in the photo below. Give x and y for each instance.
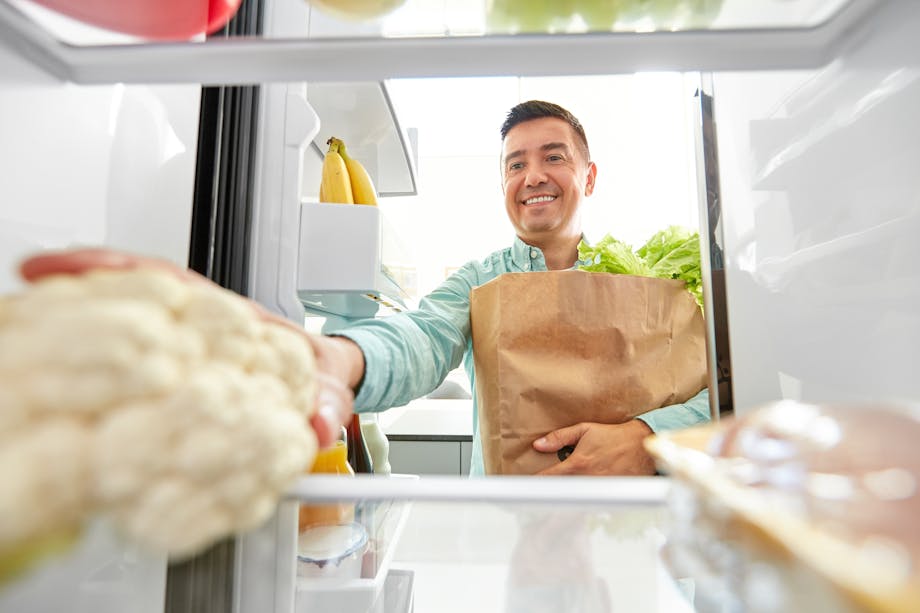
(672, 253)
(820, 500)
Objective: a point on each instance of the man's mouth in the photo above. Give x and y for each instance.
(538, 200)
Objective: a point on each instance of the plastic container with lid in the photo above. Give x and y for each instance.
(331, 551)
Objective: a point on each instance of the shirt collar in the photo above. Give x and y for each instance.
(521, 254)
(527, 257)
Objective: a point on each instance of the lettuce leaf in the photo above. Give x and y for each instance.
(673, 253)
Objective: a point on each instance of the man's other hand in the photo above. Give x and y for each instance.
(600, 449)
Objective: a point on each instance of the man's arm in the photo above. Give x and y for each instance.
(617, 449)
(393, 360)
(345, 358)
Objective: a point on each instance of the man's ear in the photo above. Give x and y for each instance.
(589, 180)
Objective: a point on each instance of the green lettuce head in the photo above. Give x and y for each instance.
(673, 253)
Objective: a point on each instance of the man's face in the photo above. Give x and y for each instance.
(545, 176)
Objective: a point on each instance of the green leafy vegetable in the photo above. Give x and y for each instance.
(673, 253)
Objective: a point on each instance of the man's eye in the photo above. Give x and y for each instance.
(555, 158)
(515, 166)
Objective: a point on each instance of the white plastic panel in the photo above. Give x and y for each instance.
(98, 165)
(821, 213)
(342, 265)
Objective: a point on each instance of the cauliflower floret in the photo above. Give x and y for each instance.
(170, 406)
(45, 468)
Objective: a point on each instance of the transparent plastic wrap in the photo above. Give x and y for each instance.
(797, 507)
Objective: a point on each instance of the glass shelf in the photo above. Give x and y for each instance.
(453, 18)
(585, 544)
(448, 38)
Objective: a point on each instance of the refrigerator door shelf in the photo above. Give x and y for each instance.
(342, 266)
(743, 37)
(379, 584)
(362, 116)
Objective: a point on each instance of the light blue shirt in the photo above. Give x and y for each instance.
(407, 355)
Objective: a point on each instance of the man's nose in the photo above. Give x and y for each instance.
(535, 176)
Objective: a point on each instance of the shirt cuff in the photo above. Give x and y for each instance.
(369, 391)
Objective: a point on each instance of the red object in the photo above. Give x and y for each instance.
(358, 455)
(220, 12)
(154, 19)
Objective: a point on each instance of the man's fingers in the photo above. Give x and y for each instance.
(333, 409)
(557, 439)
(79, 261)
(73, 262)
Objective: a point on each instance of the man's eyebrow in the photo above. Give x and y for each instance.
(543, 147)
(514, 154)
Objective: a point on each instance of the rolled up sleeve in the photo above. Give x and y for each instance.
(676, 416)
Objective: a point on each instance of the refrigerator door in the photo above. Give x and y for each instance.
(108, 165)
(820, 212)
(818, 151)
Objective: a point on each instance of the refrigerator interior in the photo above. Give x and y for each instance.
(819, 215)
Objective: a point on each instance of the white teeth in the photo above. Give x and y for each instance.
(539, 199)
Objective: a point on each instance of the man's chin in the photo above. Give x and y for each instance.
(538, 230)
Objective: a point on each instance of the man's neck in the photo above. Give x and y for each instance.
(560, 253)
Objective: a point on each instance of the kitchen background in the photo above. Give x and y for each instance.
(639, 131)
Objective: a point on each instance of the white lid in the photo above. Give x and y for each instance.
(330, 543)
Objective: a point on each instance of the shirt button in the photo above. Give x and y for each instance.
(533, 254)
(526, 266)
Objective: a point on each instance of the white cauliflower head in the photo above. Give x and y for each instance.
(170, 406)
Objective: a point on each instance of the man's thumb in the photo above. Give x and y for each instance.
(557, 439)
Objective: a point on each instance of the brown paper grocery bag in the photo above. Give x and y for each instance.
(552, 349)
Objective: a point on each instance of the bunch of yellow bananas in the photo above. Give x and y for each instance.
(345, 180)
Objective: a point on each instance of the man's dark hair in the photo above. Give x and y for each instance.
(537, 109)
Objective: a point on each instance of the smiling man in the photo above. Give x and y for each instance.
(547, 173)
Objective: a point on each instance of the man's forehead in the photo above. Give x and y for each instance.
(555, 134)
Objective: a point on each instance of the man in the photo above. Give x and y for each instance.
(547, 172)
